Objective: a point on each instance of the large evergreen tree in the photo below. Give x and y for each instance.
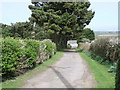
(62, 20)
(39, 33)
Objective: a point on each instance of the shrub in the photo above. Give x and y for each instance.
(69, 46)
(106, 52)
(20, 55)
(105, 49)
(50, 48)
(31, 49)
(11, 55)
(99, 47)
(79, 50)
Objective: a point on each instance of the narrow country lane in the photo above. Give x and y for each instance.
(71, 71)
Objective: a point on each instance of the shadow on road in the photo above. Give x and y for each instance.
(65, 82)
(69, 50)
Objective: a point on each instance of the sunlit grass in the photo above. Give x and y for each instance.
(100, 72)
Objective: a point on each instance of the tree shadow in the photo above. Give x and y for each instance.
(69, 50)
(65, 82)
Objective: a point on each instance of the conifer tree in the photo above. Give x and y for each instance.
(62, 20)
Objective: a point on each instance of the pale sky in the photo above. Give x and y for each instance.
(105, 19)
(106, 16)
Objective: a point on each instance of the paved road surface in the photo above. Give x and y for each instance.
(71, 71)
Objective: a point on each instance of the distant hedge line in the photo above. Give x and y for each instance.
(20, 55)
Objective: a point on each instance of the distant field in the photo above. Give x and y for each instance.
(109, 34)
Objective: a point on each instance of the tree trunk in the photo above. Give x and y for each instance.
(64, 43)
(61, 42)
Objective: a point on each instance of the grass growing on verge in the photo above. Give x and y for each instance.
(20, 80)
(100, 72)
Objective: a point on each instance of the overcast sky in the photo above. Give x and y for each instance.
(105, 19)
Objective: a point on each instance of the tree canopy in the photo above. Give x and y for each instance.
(24, 30)
(87, 33)
(19, 29)
(62, 20)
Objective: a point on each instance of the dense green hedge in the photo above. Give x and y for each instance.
(50, 48)
(19, 55)
(11, 55)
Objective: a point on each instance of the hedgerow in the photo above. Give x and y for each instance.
(20, 55)
(106, 49)
(50, 48)
(11, 55)
(31, 49)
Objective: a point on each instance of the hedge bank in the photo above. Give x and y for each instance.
(18, 55)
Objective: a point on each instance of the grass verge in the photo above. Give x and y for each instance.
(100, 72)
(20, 80)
